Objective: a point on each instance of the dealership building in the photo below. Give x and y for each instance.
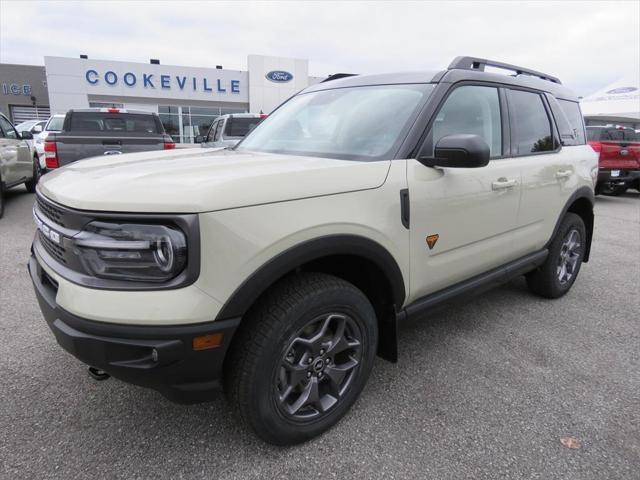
(23, 92)
(187, 99)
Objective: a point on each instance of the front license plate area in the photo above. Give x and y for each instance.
(615, 173)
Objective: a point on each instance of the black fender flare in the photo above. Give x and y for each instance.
(582, 192)
(277, 267)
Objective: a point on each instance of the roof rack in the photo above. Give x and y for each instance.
(473, 63)
(337, 76)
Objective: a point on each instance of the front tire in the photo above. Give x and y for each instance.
(558, 273)
(301, 357)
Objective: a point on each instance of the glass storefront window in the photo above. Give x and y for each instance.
(171, 125)
(201, 123)
(185, 123)
(168, 109)
(105, 105)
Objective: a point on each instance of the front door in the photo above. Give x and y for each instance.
(15, 156)
(462, 219)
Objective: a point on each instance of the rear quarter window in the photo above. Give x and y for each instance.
(114, 123)
(240, 126)
(573, 114)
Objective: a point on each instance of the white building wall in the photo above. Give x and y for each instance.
(264, 94)
(74, 82)
(70, 81)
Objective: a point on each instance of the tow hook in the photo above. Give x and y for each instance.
(98, 374)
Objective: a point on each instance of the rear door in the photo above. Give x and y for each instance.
(110, 132)
(462, 219)
(548, 169)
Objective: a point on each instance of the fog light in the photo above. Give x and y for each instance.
(206, 342)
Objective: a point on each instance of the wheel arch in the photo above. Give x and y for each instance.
(358, 260)
(581, 203)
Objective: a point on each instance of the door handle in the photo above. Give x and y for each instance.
(560, 174)
(503, 183)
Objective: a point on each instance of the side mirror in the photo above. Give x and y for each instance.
(36, 129)
(26, 136)
(199, 139)
(461, 150)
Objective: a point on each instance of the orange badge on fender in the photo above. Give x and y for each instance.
(431, 240)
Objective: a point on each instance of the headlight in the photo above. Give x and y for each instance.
(134, 252)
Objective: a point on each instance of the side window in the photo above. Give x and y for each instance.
(7, 128)
(470, 109)
(574, 115)
(212, 131)
(530, 123)
(219, 130)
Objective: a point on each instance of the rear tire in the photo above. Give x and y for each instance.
(555, 277)
(31, 184)
(301, 357)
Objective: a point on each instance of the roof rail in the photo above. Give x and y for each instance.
(473, 63)
(337, 76)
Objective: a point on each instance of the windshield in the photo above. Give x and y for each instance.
(240, 126)
(357, 123)
(24, 126)
(55, 124)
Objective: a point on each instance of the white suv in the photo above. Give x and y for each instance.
(280, 268)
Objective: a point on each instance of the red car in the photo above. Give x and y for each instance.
(619, 162)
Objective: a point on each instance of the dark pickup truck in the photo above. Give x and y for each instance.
(619, 158)
(94, 132)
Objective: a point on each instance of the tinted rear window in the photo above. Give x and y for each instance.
(600, 134)
(113, 122)
(239, 127)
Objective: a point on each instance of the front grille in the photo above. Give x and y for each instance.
(56, 251)
(52, 212)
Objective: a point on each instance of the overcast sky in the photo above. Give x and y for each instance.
(587, 44)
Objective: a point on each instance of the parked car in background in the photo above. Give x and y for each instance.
(54, 124)
(32, 126)
(104, 131)
(17, 164)
(619, 158)
(228, 130)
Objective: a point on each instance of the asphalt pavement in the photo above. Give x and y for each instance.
(485, 389)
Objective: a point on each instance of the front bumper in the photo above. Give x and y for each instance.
(624, 176)
(126, 352)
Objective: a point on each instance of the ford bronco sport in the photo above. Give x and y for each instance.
(280, 268)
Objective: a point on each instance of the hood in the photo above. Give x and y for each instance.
(202, 180)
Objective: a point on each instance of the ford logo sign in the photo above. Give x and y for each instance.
(622, 90)
(279, 76)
